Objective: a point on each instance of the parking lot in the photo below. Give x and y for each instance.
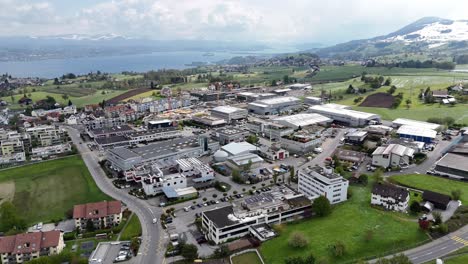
(111, 252)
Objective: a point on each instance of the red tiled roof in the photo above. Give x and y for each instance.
(97, 210)
(29, 242)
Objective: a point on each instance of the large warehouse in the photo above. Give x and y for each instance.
(345, 116)
(229, 113)
(403, 121)
(417, 133)
(453, 165)
(302, 120)
(275, 105)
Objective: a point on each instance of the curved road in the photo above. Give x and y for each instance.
(151, 249)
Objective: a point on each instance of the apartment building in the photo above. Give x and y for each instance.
(46, 135)
(45, 152)
(316, 181)
(102, 214)
(21, 248)
(390, 197)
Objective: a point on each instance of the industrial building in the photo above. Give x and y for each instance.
(231, 134)
(303, 120)
(229, 113)
(392, 155)
(453, 165)
(268, 129)
(316, 181)
(312, 100)
(278, 206)
(208, 120)
(417, 133)
(122, 159)
(403, 121)
(163, 123)
(345, 116)
(251, 97)
(275, 105)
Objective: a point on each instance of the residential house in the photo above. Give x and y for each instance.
(390, 197)
(21, 248)
(103, 214)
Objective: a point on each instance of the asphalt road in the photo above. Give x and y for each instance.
(151, 249)
(437, 248)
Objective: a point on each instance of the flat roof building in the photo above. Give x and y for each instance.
(123, 158)
(230, 134)
(316, 181)
(403, 121)
(341, 114)
(234, 221)
(274, 105)
(229, 113)
(453, 165)
(302, 120)
(422, 134)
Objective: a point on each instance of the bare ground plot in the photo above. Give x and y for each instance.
(131, 93)
(383, 100)
(7, 191)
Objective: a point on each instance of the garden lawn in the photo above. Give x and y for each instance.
(432, 183)
(348, 223)
(133, 228)
(246, 258)
(463, 259)
(46, 191)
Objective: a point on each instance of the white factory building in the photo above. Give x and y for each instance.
(229, 113)
(302, 120)
(417, 133)
(316, 181)
(344, 115)
(392, 155)
(403, 121)
(274, 105)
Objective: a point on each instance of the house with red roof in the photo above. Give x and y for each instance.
(103, 214)
(27, 246)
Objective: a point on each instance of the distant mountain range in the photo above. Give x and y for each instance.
(436, 37)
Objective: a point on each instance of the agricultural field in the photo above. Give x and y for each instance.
(348, 223)
(46, 191)
(249, 257)
(432, 183)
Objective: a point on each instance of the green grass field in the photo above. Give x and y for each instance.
(46, 191)
(432, 183)
(246, 258)
(133, 229)
(463, 259)
(348, 223)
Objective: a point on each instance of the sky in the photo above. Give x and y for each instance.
(267, 21)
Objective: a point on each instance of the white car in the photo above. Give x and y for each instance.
(155, 220)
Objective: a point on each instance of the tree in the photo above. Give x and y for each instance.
(90, 226)
(189, 252)
(388, 81)
(321, 206)
(456, 194)
(299, 260)
(252, 139)
(70, 103)
(337, 249)
(248, 166)
(392, 89)
(297, 240)
(363, 179)
(236, 177)
(292, 174)
(415, 207)
(10, 219)
(437, 217)
(408, 103)
(222, 252)
(56, 81)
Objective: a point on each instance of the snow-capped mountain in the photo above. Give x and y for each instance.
(432, 35)
(435, 33)
(83, 37)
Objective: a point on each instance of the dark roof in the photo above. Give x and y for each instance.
(108, 130)
(220, 216)
(110, 140)
(299, 201)
(389, 190)
(436, 197)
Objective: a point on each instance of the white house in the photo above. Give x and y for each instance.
(390, 197)
(392, 155)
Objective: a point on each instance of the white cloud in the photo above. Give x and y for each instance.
(239, 20)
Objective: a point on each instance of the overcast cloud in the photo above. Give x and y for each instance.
(291, 21)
